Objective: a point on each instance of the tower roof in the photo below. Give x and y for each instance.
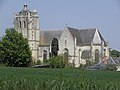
(25, 9)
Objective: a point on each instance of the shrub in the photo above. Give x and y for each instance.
(57, 62)
(46, 61)
(38, 62)
(88, 63)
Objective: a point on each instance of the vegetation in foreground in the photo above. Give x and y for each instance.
(12, 78)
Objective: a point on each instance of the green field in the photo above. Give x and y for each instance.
(57, 79)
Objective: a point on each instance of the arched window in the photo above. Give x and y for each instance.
(79, 52)
(44, 55)
(86, 54)
(24, 23)
(65, 41)
(97, 55)
(66, 55)
(20, 24)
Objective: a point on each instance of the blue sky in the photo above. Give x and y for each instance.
(54, 14)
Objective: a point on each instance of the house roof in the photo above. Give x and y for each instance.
(47, 36)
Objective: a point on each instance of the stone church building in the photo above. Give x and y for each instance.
(80, 45)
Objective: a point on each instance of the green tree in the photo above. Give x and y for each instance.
(14, 49)
(55, 47)
(114, 53)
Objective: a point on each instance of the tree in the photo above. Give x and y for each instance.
(114, 53)
(14, 49)
(55, 47)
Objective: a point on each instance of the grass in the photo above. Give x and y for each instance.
(12, 78)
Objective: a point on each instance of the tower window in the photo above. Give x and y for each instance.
(20, 24)
(24, 24)
(32, 36)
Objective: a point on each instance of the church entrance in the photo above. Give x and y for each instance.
(44, 55)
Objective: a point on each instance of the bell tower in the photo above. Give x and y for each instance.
(27, 23)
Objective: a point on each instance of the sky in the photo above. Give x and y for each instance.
(54, 14)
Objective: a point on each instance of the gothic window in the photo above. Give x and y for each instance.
(85, 54)
(32, 36)
(33, 23)
(24, 23)
(65, 41)
(79, 52)
(66, 55)
(97, 55)
(20, 24)
(44, 55)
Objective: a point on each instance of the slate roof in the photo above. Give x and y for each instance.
(47, 36)
(84, 36)
(114, 60)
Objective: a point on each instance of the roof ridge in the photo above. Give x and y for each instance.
(83, 28)
(51, 30)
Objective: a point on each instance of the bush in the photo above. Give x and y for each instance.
(111, 67)
(88, 63)
(46, 61)
(57, 62)
(38, 62)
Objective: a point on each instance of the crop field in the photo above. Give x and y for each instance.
(57, 79)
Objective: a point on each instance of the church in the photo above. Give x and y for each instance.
(80, 45)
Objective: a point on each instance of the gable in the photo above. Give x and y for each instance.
(66, 41)
(97, 38)
(66, 34)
